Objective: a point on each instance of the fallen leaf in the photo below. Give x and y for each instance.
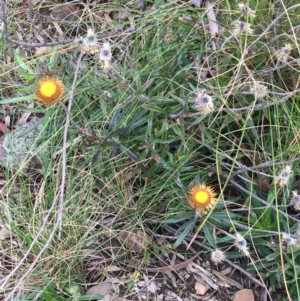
(212, 20)
(42, 50)
(4, 233)
(135, 241)
(65, 12)
(3, 127)
(30, 2)
(103, 289)
(197, 3)
(201, 273)
(228, 280)
(226, 271)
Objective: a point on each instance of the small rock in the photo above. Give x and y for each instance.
(200, 289)
(244, 295)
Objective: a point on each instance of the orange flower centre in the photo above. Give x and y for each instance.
(48, 89)
(202, 196)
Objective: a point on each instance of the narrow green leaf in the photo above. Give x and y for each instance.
(187, 228)
(17, 99)
(22, 64)
(208, 230)
(153, 108)
(29, 77)
(90, 297)
(179, 218)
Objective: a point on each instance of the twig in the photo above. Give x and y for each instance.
(65, 143)
(252, 107)
(263, 165)
(261, 200)
(262, 105)
(273, 23)
(83, 132)
(181, 113)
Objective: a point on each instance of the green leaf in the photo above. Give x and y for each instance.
(30, 128)
(208, 230)
(21, 63)
(91, 297)
(179, 218)
(17, 99)
(187, 228)
(153, 108)
(27, 76)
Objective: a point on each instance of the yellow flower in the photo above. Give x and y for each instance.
(201, 197)
(49, 90)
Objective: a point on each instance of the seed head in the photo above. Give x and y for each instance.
(241, 244)
(203, 102)
(246, 11)
(284, 176)
(89, 44)
(217, 256)
(288, 239)
(259, 90)
(283, 54)
(295, 201)
(105, 55)
(241, 27)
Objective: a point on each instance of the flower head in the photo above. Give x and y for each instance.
(296, 201)
(105, 55)
(246, 11)
(89, 44)
(241, 244)
(49, 90)
(283, 54)
(201, 197)
(259, 90)
(284, 176)
(203, 102)
(240, 27)
(217, 256)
